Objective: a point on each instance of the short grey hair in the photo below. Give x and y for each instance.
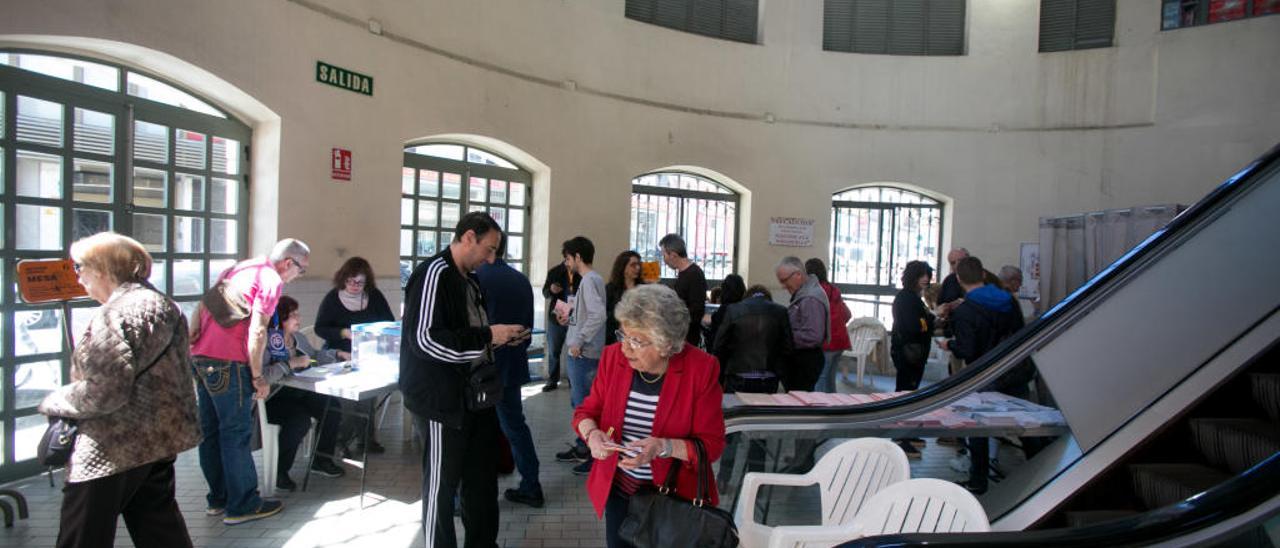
(657, 309)
(289, 248)
(1010, 272)
(791, 263)
(675, 244)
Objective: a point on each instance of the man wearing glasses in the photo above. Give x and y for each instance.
(810, 324)
(229, 337)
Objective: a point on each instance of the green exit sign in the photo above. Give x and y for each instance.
(349, 80)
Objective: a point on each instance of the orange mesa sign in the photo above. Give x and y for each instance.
(46, 280)
(651, 271)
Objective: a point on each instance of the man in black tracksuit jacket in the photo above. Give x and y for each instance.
(445, 335)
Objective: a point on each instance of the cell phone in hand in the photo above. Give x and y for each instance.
(520, 337)
(627, 451)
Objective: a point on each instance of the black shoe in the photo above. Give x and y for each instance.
(912, 451)
(269, 508)
(583, 469)
(284, 483)
(515, 495)
(550, 386)
(974, 489)
(327, 469)
(573, 454)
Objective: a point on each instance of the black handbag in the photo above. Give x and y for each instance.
(484, 386)
(660, 519)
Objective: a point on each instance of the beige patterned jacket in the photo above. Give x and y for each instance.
(125, 423)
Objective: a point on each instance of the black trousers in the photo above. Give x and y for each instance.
(466, 456)
(144, 495)
(909, 374)
(293, 410)
(806, 367)
(615, 511)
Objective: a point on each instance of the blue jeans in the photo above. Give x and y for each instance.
(582, 372)
(555, 343)
(827, 379)
(225, 392)
(516, 429)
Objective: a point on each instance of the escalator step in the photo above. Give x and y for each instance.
(1090, 517)
(1159, 485)
(1266, 391)
(1235, 444)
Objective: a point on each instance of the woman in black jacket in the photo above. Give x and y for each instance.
(354, 299)
(912, 326)
(624, 276)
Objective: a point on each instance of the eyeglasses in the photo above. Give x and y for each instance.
(783, 280)
(356, 281)
(634, 343)
(77, 267)
(301, 269)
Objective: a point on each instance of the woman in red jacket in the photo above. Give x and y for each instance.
(653, 394)
(840, 316)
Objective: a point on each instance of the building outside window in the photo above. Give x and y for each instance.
(702, 211)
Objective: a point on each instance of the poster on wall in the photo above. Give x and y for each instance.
(791, 231)
(1029, 262)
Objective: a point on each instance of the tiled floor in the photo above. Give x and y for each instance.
(330, 513)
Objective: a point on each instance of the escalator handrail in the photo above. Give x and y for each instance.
(1020, 345)
(1244, 492)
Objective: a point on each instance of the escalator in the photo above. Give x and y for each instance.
(1152, 357)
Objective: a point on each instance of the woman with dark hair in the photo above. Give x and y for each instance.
(354, 299)
(840, 316)
(624, 276)
(732, 290)
(912, 326)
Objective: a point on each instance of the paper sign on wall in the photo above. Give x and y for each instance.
(1029, 262)
(340, 163)
(791, 231)
(42, 281)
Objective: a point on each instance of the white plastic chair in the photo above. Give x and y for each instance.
(847, 476)
(923, 505)
(865, 335)
(270, 450)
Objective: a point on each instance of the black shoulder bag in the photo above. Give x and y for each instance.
(59, 439)
(660, 519)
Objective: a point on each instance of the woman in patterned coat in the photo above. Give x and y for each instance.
(132, 396)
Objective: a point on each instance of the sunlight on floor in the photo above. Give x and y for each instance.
(383, 523)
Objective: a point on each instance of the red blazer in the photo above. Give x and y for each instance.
(689, 406)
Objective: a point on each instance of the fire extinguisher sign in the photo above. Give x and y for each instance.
(340, 162)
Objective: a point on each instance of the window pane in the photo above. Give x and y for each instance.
(517, 193)
(39, 175)
(406, 270)
(138, 85)
(475, 207)
(477, 156)
(39, 121)
(515, 248)
(33, 381)
(452, 152)
(429, 183)
(427, 212)
(406, 180)
(75, 70)
(225, 196)
(37, 332)
(426, 243)
(477, 190)
(94, 132)
(87, 222)
(39, 227)
(151, 142)
(188, 307)
(188, 192)
(216, 268)
(222, 236)
(499, 214)
(452, 186)
(406, 211)
(188, 149)
(91, 181)
(150, 187)
(159, 276)
(188, 277)
(226, 155)
(80, 317)
(515, 220)
(449, 214)
(149, 230)
(497, 192)
(188, 235)
(26, 435)
(406, 242)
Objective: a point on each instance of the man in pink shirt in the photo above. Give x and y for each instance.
(228, 367)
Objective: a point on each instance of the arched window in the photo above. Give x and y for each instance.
(702, 211)
(442, 182)
(875, 231)
(87, 146)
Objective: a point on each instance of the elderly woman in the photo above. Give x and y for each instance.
(131, 395)
(653, 394)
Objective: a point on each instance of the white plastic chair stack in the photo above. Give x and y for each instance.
(270, 450)
(865, 334)
(847, 476)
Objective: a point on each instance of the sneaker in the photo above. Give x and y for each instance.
(284, 483)
(573, 454)
(532, 499)
(269, 508)
(214, 511)
(912, 451)
(583, 469)
(327, 469)
(550, 386)
(950, 442)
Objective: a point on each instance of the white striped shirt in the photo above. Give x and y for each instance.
(637, 421)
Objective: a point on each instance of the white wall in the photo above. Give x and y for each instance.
(1007, 133)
